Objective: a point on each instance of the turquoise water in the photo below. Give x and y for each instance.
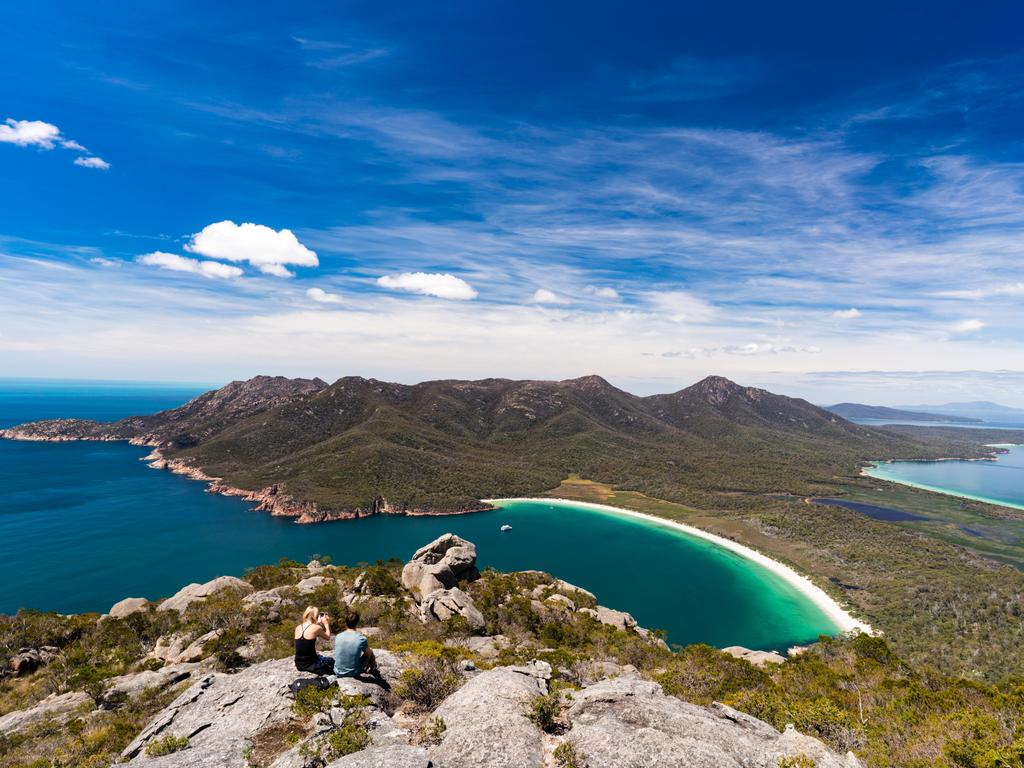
(997, 482)
(85, 524)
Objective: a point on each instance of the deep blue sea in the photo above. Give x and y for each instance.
(84, 524)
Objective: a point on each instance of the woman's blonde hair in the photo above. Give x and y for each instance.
(312, 613)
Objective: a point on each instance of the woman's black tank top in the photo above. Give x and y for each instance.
(305, 650)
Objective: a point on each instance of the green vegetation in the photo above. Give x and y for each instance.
(444, 445)
(167, 745)
(568, 755)
(855, 693)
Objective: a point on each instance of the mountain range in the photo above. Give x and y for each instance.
(321, 451)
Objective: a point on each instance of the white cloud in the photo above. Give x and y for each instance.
(43, 135)
(602, 292)
(323, 297)
(175, 263)
(92, 162)
(444, 286)
(102, 261)
(846, 314)
(544, 296)
(968, 326)
(681, 306)
(262, 247)
(29, 133)
(1007, 289)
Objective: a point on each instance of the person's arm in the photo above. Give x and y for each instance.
(325, 625)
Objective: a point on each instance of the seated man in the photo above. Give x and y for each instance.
(352, 654)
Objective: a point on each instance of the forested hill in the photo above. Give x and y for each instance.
(860, 411)
(444, 445)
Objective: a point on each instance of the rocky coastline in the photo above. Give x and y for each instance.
(273, 498)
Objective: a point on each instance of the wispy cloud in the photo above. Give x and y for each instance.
(175, 263)
(443, 286)
(45, 136)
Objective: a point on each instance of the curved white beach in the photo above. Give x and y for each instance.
(835, 612)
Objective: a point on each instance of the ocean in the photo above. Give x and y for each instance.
(85, 524)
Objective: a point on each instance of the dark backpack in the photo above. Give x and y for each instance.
(320, 683)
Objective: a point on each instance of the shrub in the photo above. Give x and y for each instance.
(568, 755)
(429, 684)
(797, 761)
(544, 711)
(702, 674)
(432, 731)
(167, 745)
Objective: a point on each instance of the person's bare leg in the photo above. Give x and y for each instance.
(370, 662)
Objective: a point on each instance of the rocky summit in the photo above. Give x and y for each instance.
(477, 670)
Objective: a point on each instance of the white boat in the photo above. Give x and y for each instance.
(506, 527)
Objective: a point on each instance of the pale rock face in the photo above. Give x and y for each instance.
(441, 564)
(221, 712)
(446, 603)
(180, 649)
(130, 686)
(392, 756)
(618, 619)
(55, 707)
(485, 721)
(193, 592)
(757, 658)
(628, 721)
(313, 583)
(127, 607)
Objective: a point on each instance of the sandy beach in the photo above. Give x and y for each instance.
(835, 612)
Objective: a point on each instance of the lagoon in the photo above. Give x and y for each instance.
(85, 524)
(996, 482)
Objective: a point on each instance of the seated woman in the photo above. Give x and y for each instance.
(314, 625)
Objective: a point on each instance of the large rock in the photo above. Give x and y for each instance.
(28, 660)
(441, 564)
(221, 712)
(446, 603)
(628, 721)
(485, 721)
(391, 756)
(118, 689)
(53, 707)
(757, 658)
(127, 607)
(193, 592)
(182, 648)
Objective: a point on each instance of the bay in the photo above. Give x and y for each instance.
(85, 524)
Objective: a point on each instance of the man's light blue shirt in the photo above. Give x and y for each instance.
(348, 653)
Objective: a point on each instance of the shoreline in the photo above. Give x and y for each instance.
(866, 472)
(803, 584)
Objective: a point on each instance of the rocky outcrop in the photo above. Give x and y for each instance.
(433, 575)
(443, 604)
(120, 689)
(183, 648)
(184, 597)
(628, 721)
(486, 724)
(54, 707)
(757, 658)
(393, 756)
(28, 660)
(221, 713)
(127, 607)
(441, 564)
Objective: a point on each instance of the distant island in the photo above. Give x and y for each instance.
(860, 411)
(316, 451)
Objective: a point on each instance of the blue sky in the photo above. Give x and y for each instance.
(827, 201)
